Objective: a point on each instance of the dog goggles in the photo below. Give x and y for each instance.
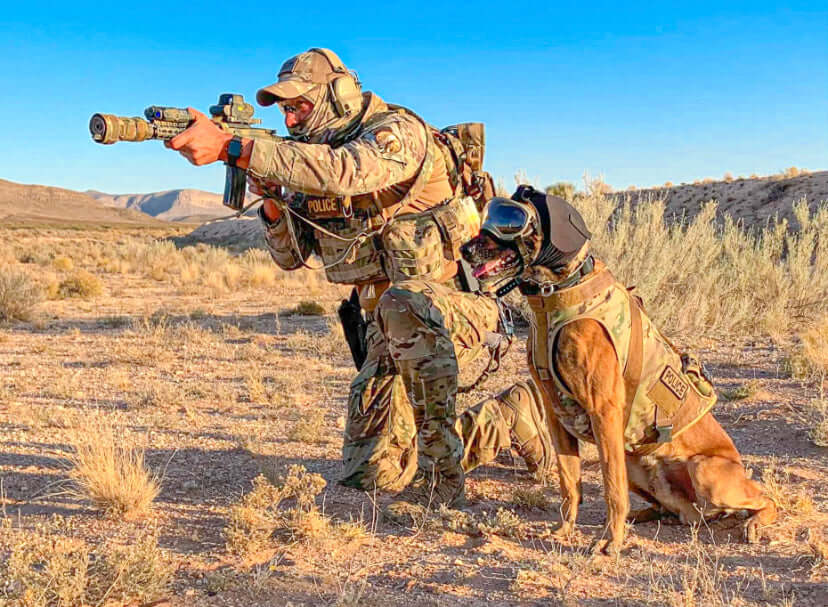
(506, 220)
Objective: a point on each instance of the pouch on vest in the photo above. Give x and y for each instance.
(349, 264)
(423, 245)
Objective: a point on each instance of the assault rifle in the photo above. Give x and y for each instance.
(231, 113)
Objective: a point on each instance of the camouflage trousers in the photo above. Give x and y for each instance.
(401, 410)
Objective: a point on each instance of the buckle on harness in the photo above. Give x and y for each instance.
(665, 433)
(546, 289)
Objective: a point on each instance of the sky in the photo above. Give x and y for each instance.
(639, 93)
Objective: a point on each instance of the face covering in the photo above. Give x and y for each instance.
(323, 123)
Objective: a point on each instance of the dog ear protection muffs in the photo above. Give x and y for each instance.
(563, 228)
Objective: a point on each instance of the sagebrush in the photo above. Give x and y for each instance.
(710, 275)
(19, 295)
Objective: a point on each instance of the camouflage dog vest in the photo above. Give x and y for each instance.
(666, 392)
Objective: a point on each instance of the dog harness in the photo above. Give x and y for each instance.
(666, 391)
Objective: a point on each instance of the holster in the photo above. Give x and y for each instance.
(354, 327)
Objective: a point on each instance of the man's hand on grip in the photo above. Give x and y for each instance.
(269, 208)
(203, 142)
(271, 211)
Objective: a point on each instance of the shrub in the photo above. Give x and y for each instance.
(306, 308)
(19, 295)
(80, 284)
(45, 569)
(286, 508)
(704, 277)
(110, 472)
(309, 429)
(63, 263)
(563, 189)
(530, 497)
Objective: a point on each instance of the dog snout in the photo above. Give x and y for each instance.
(471, 251)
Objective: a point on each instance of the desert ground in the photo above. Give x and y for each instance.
(216, 374)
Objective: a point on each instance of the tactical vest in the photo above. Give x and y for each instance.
(413, 244)
(667, 392)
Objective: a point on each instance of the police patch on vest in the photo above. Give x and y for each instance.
(324, 208)
(674, 382)
(669, 391)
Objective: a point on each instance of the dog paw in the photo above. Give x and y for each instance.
(606, 547)
(752, 531)
(563, 531)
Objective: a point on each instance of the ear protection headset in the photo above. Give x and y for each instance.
(344, 90)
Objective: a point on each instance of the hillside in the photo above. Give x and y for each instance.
(753, 201)
(171, 205)
(22, 203)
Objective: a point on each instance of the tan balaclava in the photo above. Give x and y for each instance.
(319, 76)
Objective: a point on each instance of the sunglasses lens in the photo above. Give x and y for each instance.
(505, 219)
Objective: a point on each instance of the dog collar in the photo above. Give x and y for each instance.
(546, 288)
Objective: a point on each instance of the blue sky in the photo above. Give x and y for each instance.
(639, 92)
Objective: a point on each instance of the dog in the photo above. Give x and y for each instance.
(608, 376)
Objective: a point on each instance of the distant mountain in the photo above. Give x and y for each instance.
(23, 203)
(172, 205)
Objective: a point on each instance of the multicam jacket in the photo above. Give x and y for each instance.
(665, 390)
(385, 164)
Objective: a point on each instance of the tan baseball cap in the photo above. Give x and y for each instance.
(300, 74)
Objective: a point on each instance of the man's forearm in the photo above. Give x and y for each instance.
(321, 170)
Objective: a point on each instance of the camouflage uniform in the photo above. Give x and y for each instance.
(355, 173)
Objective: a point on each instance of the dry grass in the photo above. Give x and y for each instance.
(310, 428)
(305, 308)
(204, 371)
(789, 499)
(19, 295)
(80, 284)
(63, 263)
(46, 569)
(700, 277)
(287, 509)
(819, 431)
(808, 360)
(110, 472)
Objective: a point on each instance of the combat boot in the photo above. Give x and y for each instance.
(521, 407)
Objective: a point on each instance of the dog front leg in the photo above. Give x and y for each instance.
(608, 428)
(586, 362)
(569, 475)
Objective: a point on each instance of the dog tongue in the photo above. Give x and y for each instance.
(484, 269)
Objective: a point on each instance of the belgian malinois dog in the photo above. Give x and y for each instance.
(608, 376)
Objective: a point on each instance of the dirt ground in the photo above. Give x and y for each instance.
(178, 372)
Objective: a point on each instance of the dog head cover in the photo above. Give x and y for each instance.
(564, 230)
